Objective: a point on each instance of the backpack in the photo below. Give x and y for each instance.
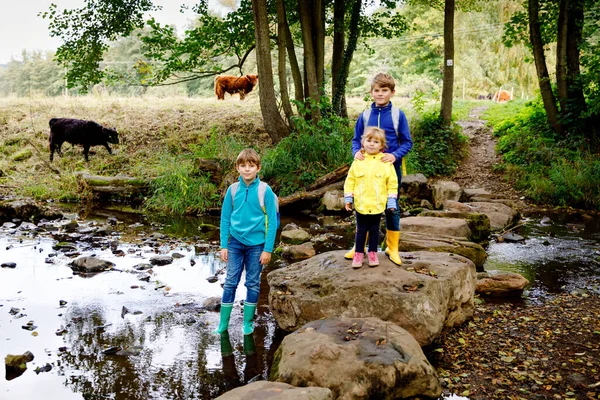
(395, 120)
(262, 189)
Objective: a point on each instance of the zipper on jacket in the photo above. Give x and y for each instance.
(246, 199)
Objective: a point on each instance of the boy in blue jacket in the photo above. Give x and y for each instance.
(398, 145)
(247, 239)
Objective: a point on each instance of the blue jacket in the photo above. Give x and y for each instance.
(245, 219)
(382, 118)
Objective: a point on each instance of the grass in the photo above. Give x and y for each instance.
(159, 138)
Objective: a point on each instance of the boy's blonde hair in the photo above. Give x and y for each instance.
(248, 156)
(376, 133)
(383, 80)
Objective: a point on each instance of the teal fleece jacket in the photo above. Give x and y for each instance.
(245, 220)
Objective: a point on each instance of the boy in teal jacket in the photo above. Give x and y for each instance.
(247, 239)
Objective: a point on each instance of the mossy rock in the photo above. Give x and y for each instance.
(479, 224)
(18, 362)
(22, 155)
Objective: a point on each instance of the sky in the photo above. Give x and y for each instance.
(21, 28)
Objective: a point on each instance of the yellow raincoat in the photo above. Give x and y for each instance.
(370, 182)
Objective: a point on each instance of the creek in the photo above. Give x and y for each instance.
(163, 326)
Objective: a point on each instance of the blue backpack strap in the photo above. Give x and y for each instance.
(365, 116)
(233, 190)
(395, 118)
(262, 188)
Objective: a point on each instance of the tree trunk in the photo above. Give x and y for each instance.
(294, 66)
(339, 13)
(561, 55)
(448, 85)
(310, 62)
(281, 43)
(574, 37)
(274, 124)
(540, 66)
(341, 77)
(319, 42)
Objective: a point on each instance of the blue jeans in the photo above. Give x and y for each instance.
(392, 218)
(241, 256)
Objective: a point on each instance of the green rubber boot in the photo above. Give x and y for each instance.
(249, 345)
(226, 348)
(224, 319)
(249, 309)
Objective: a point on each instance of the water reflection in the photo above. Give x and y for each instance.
(559, 256)
(131, 339)
(123, 338)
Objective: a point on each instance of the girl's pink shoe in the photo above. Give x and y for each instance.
(373, 260)
(357, 260)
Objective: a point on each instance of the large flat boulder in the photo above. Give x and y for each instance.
(501, 216)
(412, 241)
(479, 224)
(434, 226)
(357, 358)
(427, 293)
(263, 390)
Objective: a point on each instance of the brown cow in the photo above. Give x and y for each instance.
(235, 84)
(502, 96)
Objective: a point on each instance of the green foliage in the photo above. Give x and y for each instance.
(549, 168)
(179, 190)
(311, 151)
(437, 149)
(87, 31)
(35, 73)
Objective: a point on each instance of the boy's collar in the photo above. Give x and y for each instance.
(248, 184)
(388, 105)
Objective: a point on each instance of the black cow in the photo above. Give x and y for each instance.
(77, 131)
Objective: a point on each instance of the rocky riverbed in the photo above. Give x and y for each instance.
(141, 327)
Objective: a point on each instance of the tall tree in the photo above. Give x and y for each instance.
(448, 83)
(540, 65)
(274, 124)
(340, 74)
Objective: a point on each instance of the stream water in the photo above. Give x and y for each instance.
(161, 326)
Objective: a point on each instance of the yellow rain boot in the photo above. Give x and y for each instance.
(392, 240)
(350, 255)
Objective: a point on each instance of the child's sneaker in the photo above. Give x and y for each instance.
(357, 260)
(373, 260)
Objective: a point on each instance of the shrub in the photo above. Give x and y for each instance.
(437, 149)
(311, 151)
(551, 169)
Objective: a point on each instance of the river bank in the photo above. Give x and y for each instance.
(163, 324)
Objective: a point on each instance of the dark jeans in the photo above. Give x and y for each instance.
(242, 257)
(367, 223)
(392, 218)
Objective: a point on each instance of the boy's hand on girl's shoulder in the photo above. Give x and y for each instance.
(388, 157)
(348, 206)
(224, 254)
(265, 257)
(359, 155)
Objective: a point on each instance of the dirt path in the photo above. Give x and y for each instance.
(477, 169)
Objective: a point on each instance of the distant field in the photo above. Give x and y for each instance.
(153, 132)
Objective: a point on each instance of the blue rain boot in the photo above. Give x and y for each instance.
(249, 309)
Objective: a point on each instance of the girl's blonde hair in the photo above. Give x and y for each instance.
(376, 133)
